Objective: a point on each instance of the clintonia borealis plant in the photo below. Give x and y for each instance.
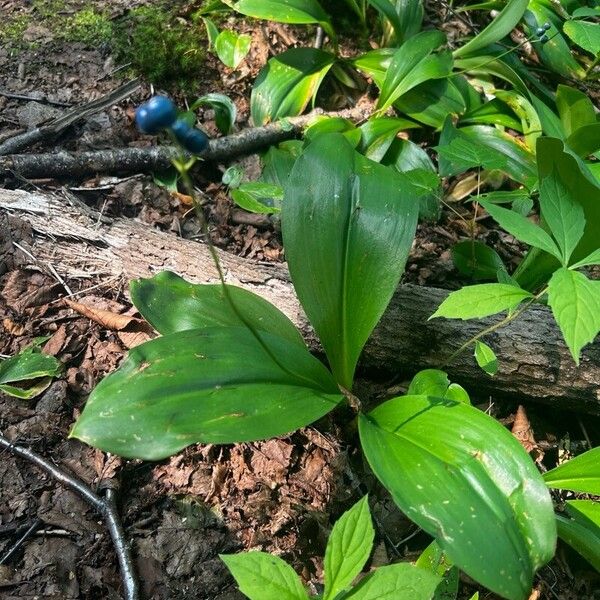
(230, 367)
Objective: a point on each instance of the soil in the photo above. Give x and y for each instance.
(280, 496)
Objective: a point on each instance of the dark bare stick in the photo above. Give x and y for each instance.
(106, 507)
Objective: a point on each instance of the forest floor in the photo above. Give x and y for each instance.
(280, 496)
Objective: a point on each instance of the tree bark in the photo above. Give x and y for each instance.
(535, 365)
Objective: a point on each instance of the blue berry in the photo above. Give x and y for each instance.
(540, 31)
(156, 114)
(191, 139)
(543, 39)
(547, 26)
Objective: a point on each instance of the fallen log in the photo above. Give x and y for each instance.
(535, 365)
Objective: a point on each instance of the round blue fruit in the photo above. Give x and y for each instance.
(156, 114)
(191, 139)
(544, 38)
(540, 31)
(546, 26)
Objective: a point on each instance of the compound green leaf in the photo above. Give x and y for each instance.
(575, 303)
(478, 301)
(522, 228)
(345, 275)
(591, 259)
(193, 306)
(580, 474)
(263, 576)
(486, 358)
(401, 581)
(286, 11)
(582, 536)
(232, 48)
(348, 548)
(586, 35)
(287, 83)
(214, 385)
(500, 27)
(472, 487)
(413, 63)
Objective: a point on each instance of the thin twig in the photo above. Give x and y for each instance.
(29, 531)
(105, 506)
(41, 100)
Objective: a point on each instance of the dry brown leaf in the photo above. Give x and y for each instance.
(522, 430)
(106, 318)
(57, 342)
(13, 328)
(183, 198)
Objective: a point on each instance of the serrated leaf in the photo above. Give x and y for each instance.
(214, 385)
(343, 274)
(590, 259)
(522, 228)
(194, 306)
(580, 474)
(464, 154)
(473, 488)
(232, 48)
(586, 35)
(500, 27)
(262, 576)
(348, 548)
(486, 358)
(478, 301)
(575, 303)
(401, 581)
(287, 83)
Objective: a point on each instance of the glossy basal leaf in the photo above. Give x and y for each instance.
(348, 548)
(476, 260)
(575, 303)
(232, 48)
(531, 125)
(585, 510)
(263, 576)
(582, 537)
(500, 27)
(410, 18)
(286, 11)
(562, 213)
(486, 358)
(375, 63)
(258, 197)
(478, 301)
(472, 487)
(377, 135)
(412, 64)
(580, 474)
(584, 34)
(574, 108)
(493, 112)
(214, 385)
(194, 306)
(522, 228)
(343, 273)
(287, 83)
(279, 161)
(225, 110)
(388, 10)
(401, 581)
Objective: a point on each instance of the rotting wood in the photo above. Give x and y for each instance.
(535, 364)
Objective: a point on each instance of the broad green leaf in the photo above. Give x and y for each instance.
(580, 474)
(586, 11)
(575, 108)
(232, 48)
(401, 581)
(494, 112)
(388, 10)
(348, 548)
(215, 385)
(562, 213)
(171, 304)
(585, 140)
(500, 27)
(32, 369)
(258, 197)
(434, 560)
(478, 301)
(531, 125)
(522, 228)
(263, 576)
(462, 154)
(472, 487)
(575, 303)
(323, 124)
(486, 358)
(412, 64)
(343, 273)
(488, 65)
(286, 11)
(585, 510)
(582, 537)
(377, 135)
(211, 31)
(591, 259)
(225, 110)
(375, 63)
(476, 260)
(584, 34)
(287, 83)
(433, 382)
(279, 161)
(409, 19)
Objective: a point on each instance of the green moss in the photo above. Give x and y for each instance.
(89, 27)
(11, 32)
(165, 49)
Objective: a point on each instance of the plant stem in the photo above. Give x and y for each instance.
(508, 319)
(592, 66)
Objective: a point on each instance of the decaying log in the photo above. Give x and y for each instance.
(535, 365)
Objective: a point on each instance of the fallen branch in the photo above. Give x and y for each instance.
(535, 364)
(142, 160)
(105, 506)
(54, 128)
